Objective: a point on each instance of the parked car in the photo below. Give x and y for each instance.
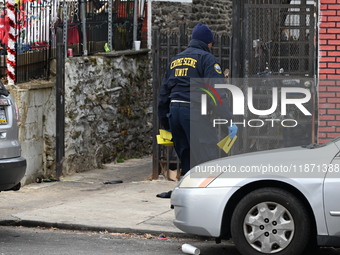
(12, 165)
(279, 202)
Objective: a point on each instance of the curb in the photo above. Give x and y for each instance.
(87, 228)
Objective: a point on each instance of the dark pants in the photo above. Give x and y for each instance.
(195, 144)
(179, 119)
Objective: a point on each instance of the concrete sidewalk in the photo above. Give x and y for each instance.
(83, 202)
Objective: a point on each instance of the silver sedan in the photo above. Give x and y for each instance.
(12, 164)
(272, 202)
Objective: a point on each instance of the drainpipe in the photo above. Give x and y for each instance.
(110, 21)
(149, 24)
(83, 22)
(135, 24)
(65, 28)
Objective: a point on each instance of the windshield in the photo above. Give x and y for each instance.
(326, 144)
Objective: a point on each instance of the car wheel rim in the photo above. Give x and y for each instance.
(268, 227)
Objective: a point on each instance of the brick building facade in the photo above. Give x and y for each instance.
(329, 70)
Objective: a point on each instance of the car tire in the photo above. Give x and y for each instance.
(270, 220)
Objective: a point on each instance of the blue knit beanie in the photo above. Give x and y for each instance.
(203, 33)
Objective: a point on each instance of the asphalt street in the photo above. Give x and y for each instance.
(83, 215)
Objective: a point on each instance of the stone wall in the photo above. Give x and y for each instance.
(168, 16)
(36, 104)
(217, 14)
(109, 109)
(108, 114)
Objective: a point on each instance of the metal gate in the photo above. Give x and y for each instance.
(279, 37)
(274, 46)
(165, 47)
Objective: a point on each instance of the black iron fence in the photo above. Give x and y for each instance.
(85, 27)
(108, 25)
(31, 27)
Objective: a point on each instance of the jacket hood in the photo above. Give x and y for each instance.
(194, 43)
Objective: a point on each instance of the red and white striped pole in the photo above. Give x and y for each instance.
(12, 38)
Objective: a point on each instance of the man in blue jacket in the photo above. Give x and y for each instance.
(189, 73)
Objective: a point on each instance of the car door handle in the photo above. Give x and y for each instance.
(3, 135)
(334, 213)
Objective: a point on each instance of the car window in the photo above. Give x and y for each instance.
(3, 90)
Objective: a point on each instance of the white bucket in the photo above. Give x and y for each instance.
(137, 45)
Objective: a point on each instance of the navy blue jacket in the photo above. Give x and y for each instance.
(194, 62)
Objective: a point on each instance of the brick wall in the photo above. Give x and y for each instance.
(329, 70)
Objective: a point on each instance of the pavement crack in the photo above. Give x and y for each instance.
(152, 217)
